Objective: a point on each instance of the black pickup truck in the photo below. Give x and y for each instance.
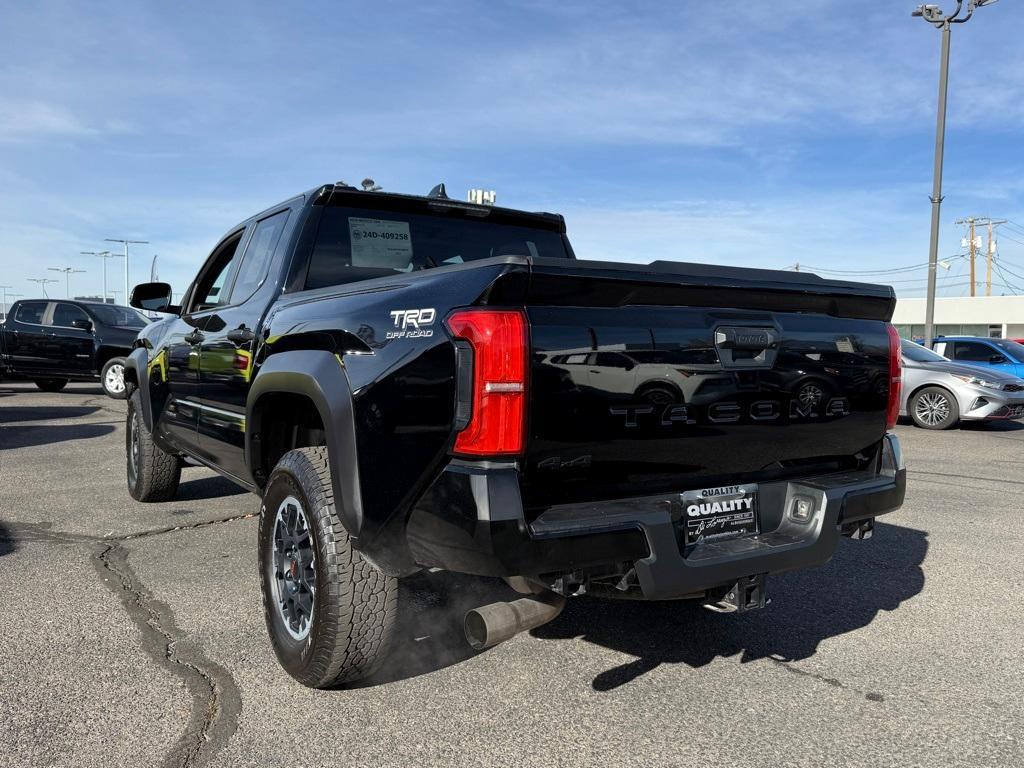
(416, 383)
(53, 341)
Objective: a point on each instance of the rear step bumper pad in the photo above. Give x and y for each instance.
(471, 520)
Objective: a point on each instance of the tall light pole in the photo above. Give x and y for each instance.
(934, 16)
(68, 271)
(42, 281)
(3, 289)
(126, 243)
(103, 255)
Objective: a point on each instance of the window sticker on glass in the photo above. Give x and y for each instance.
(843, 344)
(380, 243)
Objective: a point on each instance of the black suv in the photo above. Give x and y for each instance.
(53, 342)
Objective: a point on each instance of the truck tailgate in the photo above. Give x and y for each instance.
(670, 377)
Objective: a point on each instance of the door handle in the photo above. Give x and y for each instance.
(195, 337)
(241, 335)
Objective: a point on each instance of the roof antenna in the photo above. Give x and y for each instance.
(438, 192)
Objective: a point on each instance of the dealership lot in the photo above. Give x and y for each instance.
(133, 635)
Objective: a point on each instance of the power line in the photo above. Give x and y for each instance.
(884, 271)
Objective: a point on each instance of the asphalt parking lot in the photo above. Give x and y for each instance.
(133, 635)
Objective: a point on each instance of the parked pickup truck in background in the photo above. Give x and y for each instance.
(53, 342)
(415, 383)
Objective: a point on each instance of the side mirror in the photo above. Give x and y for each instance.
(153, 297)
(997, 360)
(82, 324)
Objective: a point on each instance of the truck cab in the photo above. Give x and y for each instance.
(54, 341)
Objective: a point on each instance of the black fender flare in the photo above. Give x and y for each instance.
(138, 363)
(320, 376)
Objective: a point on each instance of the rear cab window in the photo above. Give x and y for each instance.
(355, 244)
(31, 312)
(257, 257)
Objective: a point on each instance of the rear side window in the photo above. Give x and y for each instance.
(31, 312)
(360, 244)
(65, 314)
(258, 254)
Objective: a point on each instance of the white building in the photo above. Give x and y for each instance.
(992, 316)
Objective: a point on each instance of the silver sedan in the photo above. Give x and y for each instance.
(938, 393)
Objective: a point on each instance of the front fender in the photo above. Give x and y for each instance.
(136, 370)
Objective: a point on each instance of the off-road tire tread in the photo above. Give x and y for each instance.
(356, 610)
(159, 472)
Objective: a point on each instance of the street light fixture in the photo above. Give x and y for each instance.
(935, 16)
(42, 281)
(3, 306)
(103, 255)
(126, 243)
(68, 271)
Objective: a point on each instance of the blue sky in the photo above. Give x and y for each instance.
(738, 133)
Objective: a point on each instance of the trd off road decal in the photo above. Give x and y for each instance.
(412, 323)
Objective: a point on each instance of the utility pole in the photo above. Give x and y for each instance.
(42, 281)
(990, 252)
(934, 16)
(126, 243)
(972, 245)
(68, 271)
(103, 255)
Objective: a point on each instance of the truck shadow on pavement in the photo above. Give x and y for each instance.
(17, 413)
(212, 487)
(8, 543)
(28, 436)
(846, 594)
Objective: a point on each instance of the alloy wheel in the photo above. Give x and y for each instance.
(932, 408)
(294, 568)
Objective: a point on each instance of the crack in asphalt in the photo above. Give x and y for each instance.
(216, 700)
(832, 681)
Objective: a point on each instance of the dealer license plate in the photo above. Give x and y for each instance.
(723, 512)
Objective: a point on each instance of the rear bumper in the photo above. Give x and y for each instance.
(471, 521)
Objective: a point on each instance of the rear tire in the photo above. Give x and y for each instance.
(112, 378)
(330, 613)
(153, 474)
(934, 408)
(51, 385)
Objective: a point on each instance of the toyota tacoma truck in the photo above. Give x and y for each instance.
(55, 341)
(414, 383)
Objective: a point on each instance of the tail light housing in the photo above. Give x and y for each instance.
(895, 378)
(492, 377)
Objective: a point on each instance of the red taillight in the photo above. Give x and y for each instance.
(498, 341)
(895, 378)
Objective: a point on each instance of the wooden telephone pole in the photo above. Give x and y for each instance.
(990, 250)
